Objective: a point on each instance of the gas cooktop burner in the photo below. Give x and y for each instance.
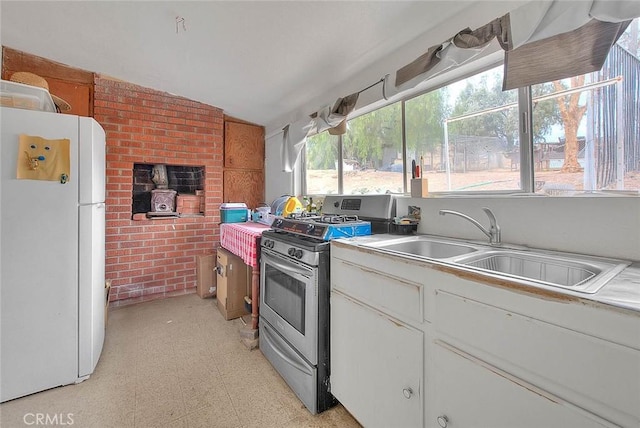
(322, 218)
(324, 227)
(304, 215)
(338, 219)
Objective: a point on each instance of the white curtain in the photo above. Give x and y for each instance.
(447, 57)
(295, 135)
(542, 19)
(535, 22)
(544, 40)
(460, 49)
(552, 40)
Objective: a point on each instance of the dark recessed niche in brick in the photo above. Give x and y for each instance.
(186, 180)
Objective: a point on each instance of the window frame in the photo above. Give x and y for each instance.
(525, 138)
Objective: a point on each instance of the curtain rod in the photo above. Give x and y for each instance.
(383, 80)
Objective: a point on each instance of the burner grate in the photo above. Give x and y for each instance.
(336, 219)
(305, 216)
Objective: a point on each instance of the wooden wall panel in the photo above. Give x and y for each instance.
(73, 85)
(243, 146)
(243, 163)
(78, 95)
(244, 186)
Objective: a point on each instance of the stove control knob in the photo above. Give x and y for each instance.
(268, 243)
(298, 254)
(310, 227)
(278, 222)
(336, 204)
(291, 251)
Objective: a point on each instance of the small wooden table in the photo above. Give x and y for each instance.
(243, 240)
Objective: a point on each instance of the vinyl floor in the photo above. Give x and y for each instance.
(174, 363)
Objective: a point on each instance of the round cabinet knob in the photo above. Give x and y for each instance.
(298, 254)
(407, 392)
(291, 251)
(442, 421)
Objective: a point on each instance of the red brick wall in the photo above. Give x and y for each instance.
(148, 259)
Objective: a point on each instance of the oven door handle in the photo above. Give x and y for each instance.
(286, 266)
(276, 348)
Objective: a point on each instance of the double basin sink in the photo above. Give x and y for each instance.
(574, 272)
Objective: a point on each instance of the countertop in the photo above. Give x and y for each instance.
(242, 239)
(621, 292)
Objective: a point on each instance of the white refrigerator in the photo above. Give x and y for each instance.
(52, 256)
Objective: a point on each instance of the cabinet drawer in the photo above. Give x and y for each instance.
(398, 297)
(587, 371)
(471, 393)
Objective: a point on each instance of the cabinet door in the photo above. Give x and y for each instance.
(243, 186)
(471, 393)
(592, 373)
(243, 146)
(376, 365)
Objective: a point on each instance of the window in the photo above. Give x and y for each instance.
(321, 162)
(466, 134)
(585, 136)
(592, 141)
(372, 153)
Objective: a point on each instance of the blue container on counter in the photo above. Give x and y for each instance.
(233, 212)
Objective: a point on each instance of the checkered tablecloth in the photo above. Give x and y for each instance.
(242, 239)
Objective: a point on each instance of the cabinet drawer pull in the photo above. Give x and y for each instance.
(442, 421)
(407, 392)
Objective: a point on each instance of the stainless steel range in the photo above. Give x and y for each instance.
(294, 289)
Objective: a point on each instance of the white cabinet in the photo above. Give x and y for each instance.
(471, 393)
(589, 372)
(376, 365)
(474, 354)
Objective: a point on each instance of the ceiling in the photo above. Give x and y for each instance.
(257, 60)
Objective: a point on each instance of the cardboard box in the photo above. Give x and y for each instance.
(206, 278)
(233, 279)
(107, 298)
(419, 187)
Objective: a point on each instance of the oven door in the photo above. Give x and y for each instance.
(289, 301)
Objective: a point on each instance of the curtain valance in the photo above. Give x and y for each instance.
(543, 41)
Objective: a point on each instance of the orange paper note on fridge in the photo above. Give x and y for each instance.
(42, 159)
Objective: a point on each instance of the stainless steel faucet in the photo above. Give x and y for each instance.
(494, 230)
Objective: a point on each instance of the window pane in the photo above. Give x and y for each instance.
(424, 121)
(477, 124)
(591, 138)
(372, 152)
(322, 164)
